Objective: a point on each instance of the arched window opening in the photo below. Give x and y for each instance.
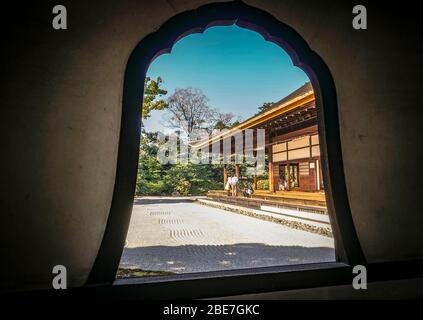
(297, 188)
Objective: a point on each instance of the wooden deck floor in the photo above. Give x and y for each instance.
(317, 196)
(288, 197)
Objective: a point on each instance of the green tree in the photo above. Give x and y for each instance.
(192, 179)
(266, 106)
(155, 178)
(150, 171)
(223, 120)
(152, 96)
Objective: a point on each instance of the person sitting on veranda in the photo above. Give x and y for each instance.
(282, 184)
(248, 191)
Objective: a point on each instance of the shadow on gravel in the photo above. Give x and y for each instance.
(165, 200)
(203, 258)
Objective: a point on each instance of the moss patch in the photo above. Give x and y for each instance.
(132, 273)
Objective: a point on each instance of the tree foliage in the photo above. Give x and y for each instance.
(223, 120)
(182, 179)
(265, 107)
(149, 177)
(189, 110)
(152, 100)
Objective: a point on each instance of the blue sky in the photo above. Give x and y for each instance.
(235, 68)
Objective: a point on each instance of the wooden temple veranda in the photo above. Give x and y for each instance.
(292, 154)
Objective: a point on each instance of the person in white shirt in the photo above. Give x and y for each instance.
(234, 185)
(228, 185)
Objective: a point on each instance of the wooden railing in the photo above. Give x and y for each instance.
(312, 200)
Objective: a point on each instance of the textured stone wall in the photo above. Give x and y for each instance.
(61, 103)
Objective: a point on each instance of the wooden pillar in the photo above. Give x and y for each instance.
(225, 176)
(288, 178)
(317, 173)
(271, 176)
(237, 170)
(254, 182)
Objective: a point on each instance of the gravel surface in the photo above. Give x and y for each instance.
(187, 237)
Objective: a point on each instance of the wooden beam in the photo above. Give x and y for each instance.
(262, 117)
(270, 165)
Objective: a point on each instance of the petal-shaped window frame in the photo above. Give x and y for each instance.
(348, 249)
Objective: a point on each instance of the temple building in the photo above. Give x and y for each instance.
(291, 143)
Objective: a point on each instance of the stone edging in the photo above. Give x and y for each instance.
(289, 223)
